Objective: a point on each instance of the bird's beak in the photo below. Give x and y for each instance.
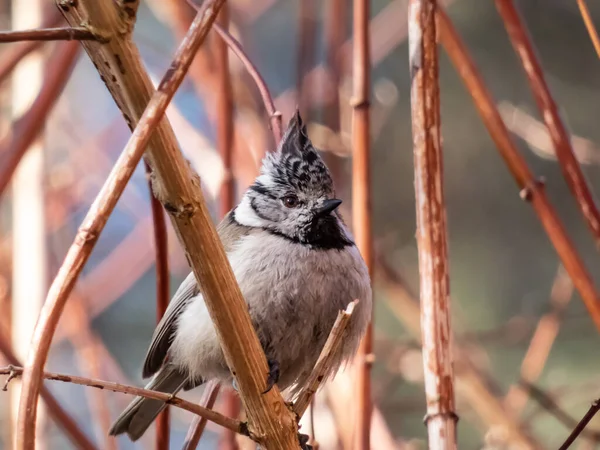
(327, 206)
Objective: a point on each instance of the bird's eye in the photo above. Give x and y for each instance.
(290, 201)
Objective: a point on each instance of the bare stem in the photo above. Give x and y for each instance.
(48, 34)
(323, 365)
(589, 24)
(531, 189)
(213, 416)
(199, 423)
(431, 226)
(594, 408)
(549, 111)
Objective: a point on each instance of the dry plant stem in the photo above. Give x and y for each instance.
(161, 250)
(531, 189)
(431, 226)
(542, 340)
(323, 364)
(179, 191)
(60, 416)
(213, 416)
(549, 112)
(581, 425)
(361, 205)
(26, 129)
(589, 24)
(48, 34)
(274, 115)
(307, 40)
(199, 423)
(94, 223)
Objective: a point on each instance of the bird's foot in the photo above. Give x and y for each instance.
(273, 376)
(303, 439)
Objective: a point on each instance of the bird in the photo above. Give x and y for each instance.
(297, 266)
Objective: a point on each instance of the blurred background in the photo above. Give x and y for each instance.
(515, 314)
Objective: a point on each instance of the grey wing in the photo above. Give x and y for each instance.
(163, 334)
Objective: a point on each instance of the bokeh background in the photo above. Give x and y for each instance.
(502, 266)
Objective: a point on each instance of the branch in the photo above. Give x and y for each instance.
(179, 191)
(564, 150)
(594, 408)
(199, 423)
(323, 365)
(27, 128)
(56, 411)
(274, 115)
(361, 203)
(531, 189)
(213, 416)
(589, 24)
(48, 34)
(431, 226)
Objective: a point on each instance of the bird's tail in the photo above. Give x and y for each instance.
(141, 412)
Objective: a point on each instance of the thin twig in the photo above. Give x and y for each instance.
(161, 250)
(431, 226)
(549, 111)
(594, 408)
(307, 36)
(94, 223)
(213, 416)
(199, 423)
(323, 365)
(48, 34)
(26, 129)
(361, 204)
(274, 115)
(589, 24)
(531, 190)
(56, 411)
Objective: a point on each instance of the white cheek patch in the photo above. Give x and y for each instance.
(245, 215)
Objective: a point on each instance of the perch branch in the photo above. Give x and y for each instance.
(361, 205)
(431, 226)
(323, 365)
(48, 34)
(199, 423)
(594, 408)
(560, 137)
(179, 191)
(531, 189)
(26, 129)
(589, 25)
(213, 416)
(57, 412)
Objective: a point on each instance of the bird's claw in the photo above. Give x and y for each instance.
(303, 439)
(273, 376)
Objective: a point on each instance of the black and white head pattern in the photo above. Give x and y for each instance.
(294, 195)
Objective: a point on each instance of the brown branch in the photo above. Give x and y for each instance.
(274, 115)
(26, 129)
(361, 204)
(431, 225)
(323, 364)
(161, 250)
(199, 423)
(560, 137)
(213, 416)
(594, 408)
(94, 223)
(542, 340)
(306, 48)
(48, 34)
(589, 25)
(531, 189)
(60, 416)
(178, 190)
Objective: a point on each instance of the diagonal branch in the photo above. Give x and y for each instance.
(323, 364)
(594, 408)
(48, 34)
(560, 137)
(199, 423)
(589, 24)
(213, 416)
